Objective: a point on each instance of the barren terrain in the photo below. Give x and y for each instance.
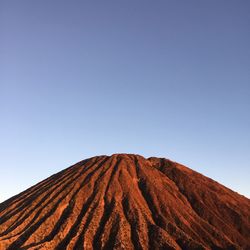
(125, 201)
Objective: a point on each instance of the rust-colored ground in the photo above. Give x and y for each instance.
(126, 202)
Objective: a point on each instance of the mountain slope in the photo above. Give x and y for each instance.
(126, 202)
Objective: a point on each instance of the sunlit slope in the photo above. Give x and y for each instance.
(125, 201)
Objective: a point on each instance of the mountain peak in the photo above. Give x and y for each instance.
(125, 201)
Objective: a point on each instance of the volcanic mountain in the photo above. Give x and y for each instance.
(125, 201)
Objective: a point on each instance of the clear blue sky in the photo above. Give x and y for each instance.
(157, 78)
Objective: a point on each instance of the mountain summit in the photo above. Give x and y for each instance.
(125, 201)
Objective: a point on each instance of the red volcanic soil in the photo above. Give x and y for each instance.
(126, 202)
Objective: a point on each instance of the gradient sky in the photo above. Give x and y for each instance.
(157, 78)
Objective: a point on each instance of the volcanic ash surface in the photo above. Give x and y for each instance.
(125, 201)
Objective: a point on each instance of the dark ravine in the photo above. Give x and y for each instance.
(125, 201)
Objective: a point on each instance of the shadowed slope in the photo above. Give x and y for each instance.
(126, 202)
